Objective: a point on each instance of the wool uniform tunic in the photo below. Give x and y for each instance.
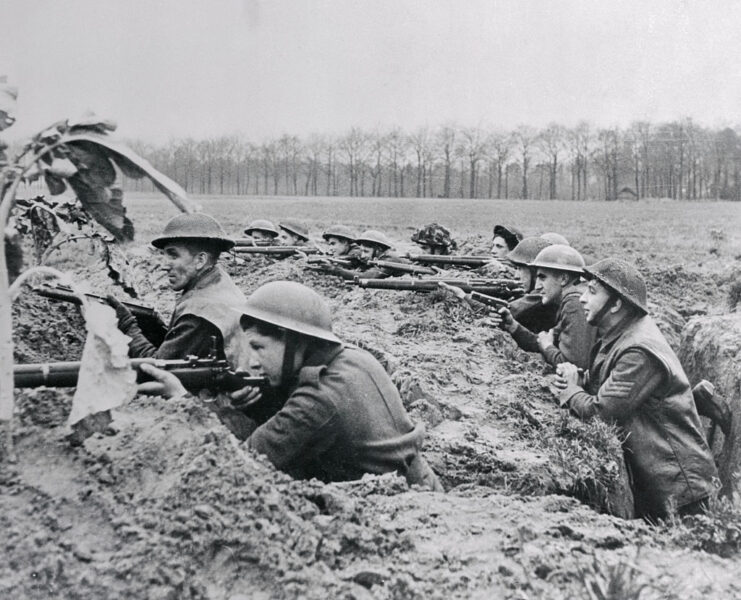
(343, 418)
(636, 381)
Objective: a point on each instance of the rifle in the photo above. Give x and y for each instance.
(250, 243)
(403, 267)
(506, 288)
(345, 263)
(194, 373)
(276, 250)
(149, 321)
(477, 297)
(458, 261)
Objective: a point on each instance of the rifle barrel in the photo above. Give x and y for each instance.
(443, 259)
(276, 250)
(403, 267)
(490, 287)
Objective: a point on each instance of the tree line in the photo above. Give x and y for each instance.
(678, 160)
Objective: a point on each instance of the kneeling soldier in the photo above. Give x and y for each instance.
(636, 381)
(559, 269)
(342, 416)
(191, 245)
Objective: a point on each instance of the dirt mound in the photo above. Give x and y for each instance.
(711, 349)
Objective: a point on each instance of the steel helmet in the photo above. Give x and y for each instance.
(262, 225)
(371, 236)
(555, 238)
(291, 306)
(526, 251)
(194, 226)
(296, 228)
(434, 235)
(341, 232)
(559, 258)
(510, 235)
(622, 278)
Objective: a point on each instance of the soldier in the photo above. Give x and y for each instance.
(341, 241)
(635, 380)
(434, 239)
(555, 238)
(262, 232)
(342, 416)
(293, 233)
(191, 245)
(374, 245)
(529, 310)
(505, 240)
(557, 281)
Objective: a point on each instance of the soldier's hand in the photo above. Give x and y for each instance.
(163, 383)
(545, 339)
(245, 397)
(122, 312)
(567, 374)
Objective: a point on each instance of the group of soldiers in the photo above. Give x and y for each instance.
(335, 413)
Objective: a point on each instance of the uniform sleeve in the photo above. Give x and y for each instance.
(634, 378)
(189, 335)
(525, 338)
(298, 432)
(574, 340)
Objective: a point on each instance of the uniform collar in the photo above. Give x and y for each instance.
(203, 279)
(609, 335)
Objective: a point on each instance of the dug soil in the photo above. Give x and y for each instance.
(168, 504)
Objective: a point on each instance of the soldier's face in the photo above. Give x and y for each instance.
(261, 236)
(288, 239)
(367, 252)
(593, 300)
(525, 276)
(266, 355)
(338, 246)
(548, 284)
(181, 265)
(499, 248)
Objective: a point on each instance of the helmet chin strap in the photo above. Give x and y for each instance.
(603, 311)
(289, 359)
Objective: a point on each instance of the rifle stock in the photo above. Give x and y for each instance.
(148, 319)
(194, 373)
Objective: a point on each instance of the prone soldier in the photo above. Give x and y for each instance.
(529, 310)
(262, 231)
(434, 239)
(293, 233)
(342, 416)
(635, 380)
(559, 269)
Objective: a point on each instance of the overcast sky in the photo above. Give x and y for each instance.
(266, 67)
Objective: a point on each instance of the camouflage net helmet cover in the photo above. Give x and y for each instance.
(435, 235)
(622, 278)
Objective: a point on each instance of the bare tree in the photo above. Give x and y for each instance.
(524, 138)
(551, 143)
(445, 139)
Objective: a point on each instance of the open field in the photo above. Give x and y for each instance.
(679, 232)
(172, 506)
